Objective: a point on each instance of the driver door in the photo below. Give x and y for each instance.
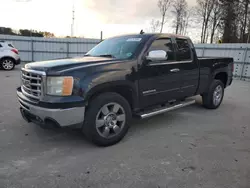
(160, 80)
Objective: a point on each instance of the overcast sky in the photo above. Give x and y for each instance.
(91, 16)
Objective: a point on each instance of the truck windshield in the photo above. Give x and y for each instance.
(119, 47)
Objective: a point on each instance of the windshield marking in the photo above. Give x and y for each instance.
(134, 40)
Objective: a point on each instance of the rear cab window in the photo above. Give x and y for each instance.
(184, 52)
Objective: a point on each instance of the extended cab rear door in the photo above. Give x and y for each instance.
(189, 69)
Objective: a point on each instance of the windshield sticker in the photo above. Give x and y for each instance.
(129, 54)
(134, 39)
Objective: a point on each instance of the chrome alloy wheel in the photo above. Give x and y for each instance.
(110, 120)
(7, 64)
(217, 95)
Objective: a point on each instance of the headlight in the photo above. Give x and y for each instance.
(60, 86)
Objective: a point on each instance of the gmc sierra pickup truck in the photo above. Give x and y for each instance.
(133, 75)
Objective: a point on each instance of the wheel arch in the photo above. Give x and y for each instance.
(222, 76)
(7, 57)
(122, 88)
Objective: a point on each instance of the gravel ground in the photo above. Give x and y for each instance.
(188, 148)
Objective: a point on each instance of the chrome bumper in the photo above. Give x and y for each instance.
(63, 117)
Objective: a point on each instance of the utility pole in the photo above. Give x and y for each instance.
(101, 35)
(73, 20)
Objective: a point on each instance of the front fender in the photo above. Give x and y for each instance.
(98, 81)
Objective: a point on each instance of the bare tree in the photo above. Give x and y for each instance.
(206, 38)
(245, 13)
(180, 12)
(163, 6)
(216, 15)
(154, 25)
(189, 18)
(204, 9)
(229, 20)
(235, 21)
(248, 32)
(185, 23)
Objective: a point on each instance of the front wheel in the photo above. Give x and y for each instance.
(213, 98)
(107, 119)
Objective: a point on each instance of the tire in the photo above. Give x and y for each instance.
(106, 128)
(213, 98)
(7, 64)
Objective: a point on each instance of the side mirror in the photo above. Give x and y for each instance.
(157, 55)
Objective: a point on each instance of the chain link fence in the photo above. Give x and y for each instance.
(40, 49)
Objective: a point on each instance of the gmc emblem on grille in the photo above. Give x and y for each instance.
(26, 82)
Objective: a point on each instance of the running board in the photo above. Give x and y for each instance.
(163, 110)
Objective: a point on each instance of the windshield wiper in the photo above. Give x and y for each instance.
(106, 55)
(87, 55)
(102, 55)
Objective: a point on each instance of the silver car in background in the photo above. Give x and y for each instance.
(9, 56)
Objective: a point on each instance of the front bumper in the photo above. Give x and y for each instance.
(59, 117)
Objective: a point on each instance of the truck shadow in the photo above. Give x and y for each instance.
(61, 136)
(75, 138)
(168, 119)
(16, 69)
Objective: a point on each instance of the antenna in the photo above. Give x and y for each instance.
(73, 20)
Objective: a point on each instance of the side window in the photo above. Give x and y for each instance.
(184, 51)
(163, 44)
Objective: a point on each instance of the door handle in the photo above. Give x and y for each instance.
(174, 70)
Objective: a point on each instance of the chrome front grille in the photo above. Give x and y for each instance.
(32, 83)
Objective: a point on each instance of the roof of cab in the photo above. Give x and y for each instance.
(156, 34)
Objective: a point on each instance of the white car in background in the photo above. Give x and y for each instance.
(9, 56)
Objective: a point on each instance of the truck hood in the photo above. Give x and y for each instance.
(66, 64)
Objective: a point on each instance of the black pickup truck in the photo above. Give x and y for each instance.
(133, 75)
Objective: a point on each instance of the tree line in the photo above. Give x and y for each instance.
(227, 20)
(26, 32)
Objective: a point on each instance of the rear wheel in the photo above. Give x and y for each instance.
(7, 64)
(213, 98)
(107, 119)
